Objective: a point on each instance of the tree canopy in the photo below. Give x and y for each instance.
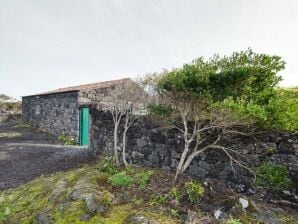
(245, 83)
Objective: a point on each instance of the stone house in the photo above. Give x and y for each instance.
(66, 110)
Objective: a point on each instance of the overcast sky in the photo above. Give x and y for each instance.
(48, 44)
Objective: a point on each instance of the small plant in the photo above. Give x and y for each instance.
(175, 194)
(174, 212)
(195, 191)
(108, 167)
(158, 199)
(231, 220)
(67, 140)
(130, 169)
(106, 198)
(121, 180)
(143, 178)
(23, 125)
(274, 177)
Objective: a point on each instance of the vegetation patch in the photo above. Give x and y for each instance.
(23, 125)
(67, 140)
(121, 180)
(275, 177)
(195, 191)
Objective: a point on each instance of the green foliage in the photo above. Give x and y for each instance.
(232, 220)
(195, 191)
(281, 111)
(243, 84)
(160, 110)
(175, 194)
(174, 212)
(158, 199)
(67, 140)
(274, 177)
(23, 125)
(107, 166)
(143, 178)
(121, 180)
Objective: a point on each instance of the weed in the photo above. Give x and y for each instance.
(67, 140)
(195, 191)
(175, 194)
(108, 167)
(231, 220)
(121, 180)
(143, 178)
(158, 199)
(274, 177)
(174, 212)
(23, 125)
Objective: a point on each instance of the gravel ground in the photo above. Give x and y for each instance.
(26, 154)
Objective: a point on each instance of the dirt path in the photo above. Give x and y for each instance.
(26, 154)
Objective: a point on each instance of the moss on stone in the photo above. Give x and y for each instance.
(49, 196)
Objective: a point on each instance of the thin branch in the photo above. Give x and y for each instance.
(233, 159)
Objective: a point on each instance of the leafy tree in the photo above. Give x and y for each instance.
(219, 96)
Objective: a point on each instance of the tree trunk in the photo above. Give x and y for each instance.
(182, 160)
(124, 141)
(116, 157)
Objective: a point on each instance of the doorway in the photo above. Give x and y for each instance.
(84, 126)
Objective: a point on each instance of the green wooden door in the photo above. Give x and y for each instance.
(84, 126)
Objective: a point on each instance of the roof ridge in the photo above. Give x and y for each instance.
(84, 86)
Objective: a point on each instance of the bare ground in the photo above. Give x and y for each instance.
(27, 153)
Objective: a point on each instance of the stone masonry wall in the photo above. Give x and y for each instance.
(58, 112)
(150, 145)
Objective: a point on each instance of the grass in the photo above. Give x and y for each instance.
(23, 204)
(126, 191)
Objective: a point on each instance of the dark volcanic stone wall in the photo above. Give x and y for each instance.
(150, 145)
(58, 112)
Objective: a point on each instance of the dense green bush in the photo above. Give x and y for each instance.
(195, 191)
(275, 177)
(121, 180)
(244, 84)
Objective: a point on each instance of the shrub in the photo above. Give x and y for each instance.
(107, 166)
(67, 140)
(274, 177)
(121, 180)
(143, 178)
(195, 191)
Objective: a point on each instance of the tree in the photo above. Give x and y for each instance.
(208, 97)
(127, 102)
(4, 98)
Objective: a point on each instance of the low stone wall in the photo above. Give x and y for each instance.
(150, 145)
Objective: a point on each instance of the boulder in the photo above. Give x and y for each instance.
(43, 218)
(96, 201)
(139, 219)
